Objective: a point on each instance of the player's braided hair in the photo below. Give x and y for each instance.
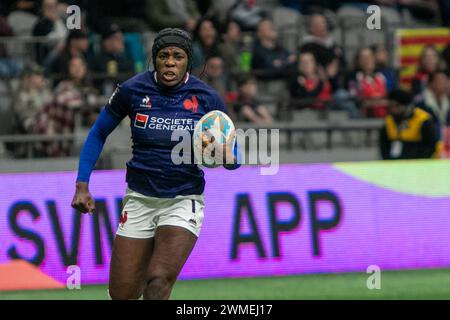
(173, 37)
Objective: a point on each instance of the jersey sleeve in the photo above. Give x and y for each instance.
(95, 141)
(218, 104)
(118, 105)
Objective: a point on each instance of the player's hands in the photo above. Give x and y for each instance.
(225, 151)
(228, 149)
(83, 200)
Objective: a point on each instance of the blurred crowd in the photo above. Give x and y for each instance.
(236, 48)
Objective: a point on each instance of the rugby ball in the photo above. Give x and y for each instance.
(213, 124)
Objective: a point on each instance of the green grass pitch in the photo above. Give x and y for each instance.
(416, 284)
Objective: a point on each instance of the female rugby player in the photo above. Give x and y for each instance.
(163, 206)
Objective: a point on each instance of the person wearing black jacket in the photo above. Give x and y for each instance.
(112, 58)
(436, 101)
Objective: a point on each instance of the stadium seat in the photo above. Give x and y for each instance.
(38, 165)
(22, 22)
(288, 24)
(284, 16)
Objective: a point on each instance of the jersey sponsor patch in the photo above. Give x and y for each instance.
(141, 120)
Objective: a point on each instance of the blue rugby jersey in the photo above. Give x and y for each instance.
(155, 113)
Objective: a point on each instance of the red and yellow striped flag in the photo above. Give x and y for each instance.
(410, 43)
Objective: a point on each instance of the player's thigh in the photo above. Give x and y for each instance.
(129, 261)
(172, 247)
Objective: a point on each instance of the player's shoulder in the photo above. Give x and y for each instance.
(212, 99)
(197, 84)
(139, 80)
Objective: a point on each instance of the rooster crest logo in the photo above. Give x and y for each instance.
(191, 104)
(146, 102)
(123, 219)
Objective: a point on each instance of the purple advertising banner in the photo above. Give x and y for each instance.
(305, 219)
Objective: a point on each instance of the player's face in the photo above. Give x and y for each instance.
(171, 66)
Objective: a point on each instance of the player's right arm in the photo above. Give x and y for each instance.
(107, 121)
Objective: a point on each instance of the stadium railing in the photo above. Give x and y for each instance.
(308, 131)
(29, 141)
(366, 128)
(28, 48)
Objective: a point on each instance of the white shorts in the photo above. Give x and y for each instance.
(142, 215)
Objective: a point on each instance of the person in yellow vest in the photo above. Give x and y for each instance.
(408, 132)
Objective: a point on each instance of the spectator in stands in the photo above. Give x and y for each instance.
(73, 99)
(247, 14)
(421, 11)
(292, 4)
(77, 44)
(23, 17)
(204, 7)
(313, 89)
(395, 12)
(128, 15)
(77, 94)
(430, 61)
(327, 52)
(50, 26)
(231, 46)
(215, 75)
(219, 80)
(435, 100)
(162, 14)
(446, 56)
(247, 107)
(368, 85)
(269, 56)
(9, 66)
(205, 43)
(444, 9)
(5, 31)
(408, 132)
(112, 59)
(31, 97)
(220, 10)
(310, 6)
(381, 61)
(310, 83)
